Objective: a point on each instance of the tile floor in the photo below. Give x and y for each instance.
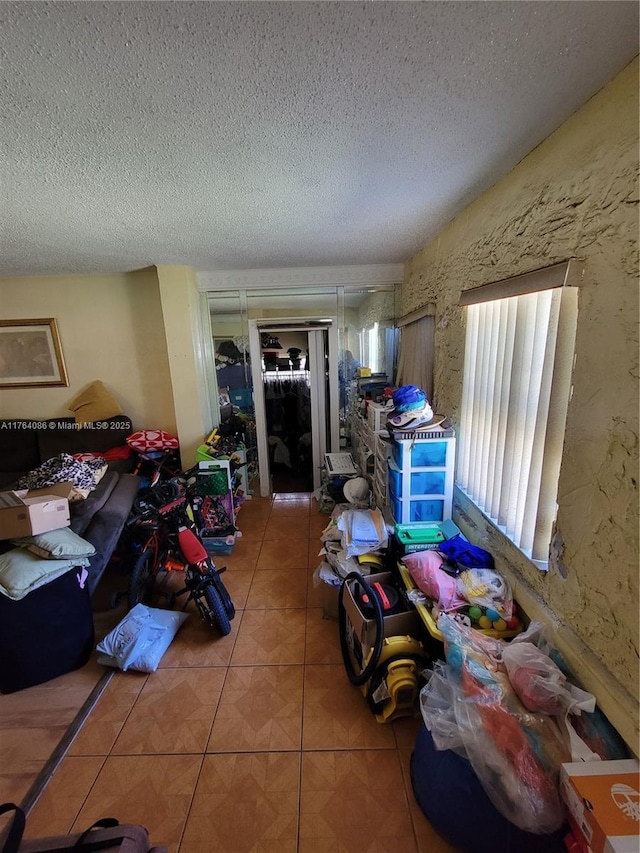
(251, 742)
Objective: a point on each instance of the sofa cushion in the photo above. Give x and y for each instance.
(20, 448)
(65, 437)
(82, 512)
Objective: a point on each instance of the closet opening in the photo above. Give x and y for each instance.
(296, 412)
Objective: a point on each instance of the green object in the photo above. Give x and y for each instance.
(425, 533)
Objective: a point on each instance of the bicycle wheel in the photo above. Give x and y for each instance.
(216, 612)
(142, 579)
(221, 589)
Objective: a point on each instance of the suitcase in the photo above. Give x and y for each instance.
(47, 633)
(106, 834)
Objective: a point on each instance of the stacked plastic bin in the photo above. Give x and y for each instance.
(421, 473)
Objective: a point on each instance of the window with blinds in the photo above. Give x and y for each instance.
(519, 353)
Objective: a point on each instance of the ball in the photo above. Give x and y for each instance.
(500, 625)
(475, 613)
(492, 614)
(513, 623)
(484, 622)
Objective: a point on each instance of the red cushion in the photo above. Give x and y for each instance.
(152, 439)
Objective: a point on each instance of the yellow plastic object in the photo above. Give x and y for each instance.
(430, 622)
(364, 371)
(400, 679)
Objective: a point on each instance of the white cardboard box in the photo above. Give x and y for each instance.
(28, 512)
(603, 798)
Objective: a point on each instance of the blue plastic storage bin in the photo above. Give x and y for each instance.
(420, 509)
(420, 453)
(418, 482)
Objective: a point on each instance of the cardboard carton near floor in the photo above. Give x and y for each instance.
(604, 799)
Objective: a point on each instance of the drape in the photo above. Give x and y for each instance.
(415, 364)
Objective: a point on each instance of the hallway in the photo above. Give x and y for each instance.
(251, 742)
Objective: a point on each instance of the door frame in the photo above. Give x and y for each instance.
(307, 324)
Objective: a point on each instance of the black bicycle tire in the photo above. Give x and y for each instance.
(221, 589)
(143, 567)
(216, 610)
(359, 679)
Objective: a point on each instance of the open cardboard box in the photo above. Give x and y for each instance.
(361, 631)
(27, 512)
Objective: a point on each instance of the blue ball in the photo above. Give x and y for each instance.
(492, 614)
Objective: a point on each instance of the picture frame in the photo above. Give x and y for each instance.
(31, 354)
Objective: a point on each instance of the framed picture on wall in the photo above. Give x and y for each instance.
(30, 354)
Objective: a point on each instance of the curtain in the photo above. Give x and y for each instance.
(415, 365)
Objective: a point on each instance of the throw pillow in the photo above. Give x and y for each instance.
(21, 571)
(95, 403)
(58, 544)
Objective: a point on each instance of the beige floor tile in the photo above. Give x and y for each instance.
(15, 785)
(238, 583)
(315, 596)
(354, 801)
(322, 641)
(287, 527)
(245, 803)
(277, 588)
(152, 790)
(199, 644)
(99, 732)
(296, 508)
(260, 710)
(64, 796)
(173, 713)
(244, 556)
(270, 637)
(286, 553)
(406, 730)
(336, 715)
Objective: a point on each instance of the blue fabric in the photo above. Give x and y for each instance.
(458, 550)
(408, 397)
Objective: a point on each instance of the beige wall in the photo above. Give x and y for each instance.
(111, 328)
(575, 195)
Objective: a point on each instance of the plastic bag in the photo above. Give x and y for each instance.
(363, 530)
(140, 639)
(425, 569)
(515, 753)
(540, 684)
(458, 550)
(486, 588)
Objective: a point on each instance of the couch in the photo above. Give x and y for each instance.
(100, 518)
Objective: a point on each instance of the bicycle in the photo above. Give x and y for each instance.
(169, 542)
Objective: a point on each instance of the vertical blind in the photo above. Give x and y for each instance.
(516, 388)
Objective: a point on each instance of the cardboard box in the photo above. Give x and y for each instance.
(361, 631)
(28, 512)
(604, 799)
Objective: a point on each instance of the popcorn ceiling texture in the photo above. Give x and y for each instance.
(575, 195)
(232, 135)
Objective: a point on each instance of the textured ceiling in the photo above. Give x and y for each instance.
(256, 134)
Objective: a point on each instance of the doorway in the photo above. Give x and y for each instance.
(294, 367)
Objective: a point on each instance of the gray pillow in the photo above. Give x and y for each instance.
(58, 544)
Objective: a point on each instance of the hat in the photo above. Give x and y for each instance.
(415, 419)
(408, 397)
(356, 490)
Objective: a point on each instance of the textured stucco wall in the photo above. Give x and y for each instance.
(575, 195)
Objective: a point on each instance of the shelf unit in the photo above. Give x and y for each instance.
(420, 476)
